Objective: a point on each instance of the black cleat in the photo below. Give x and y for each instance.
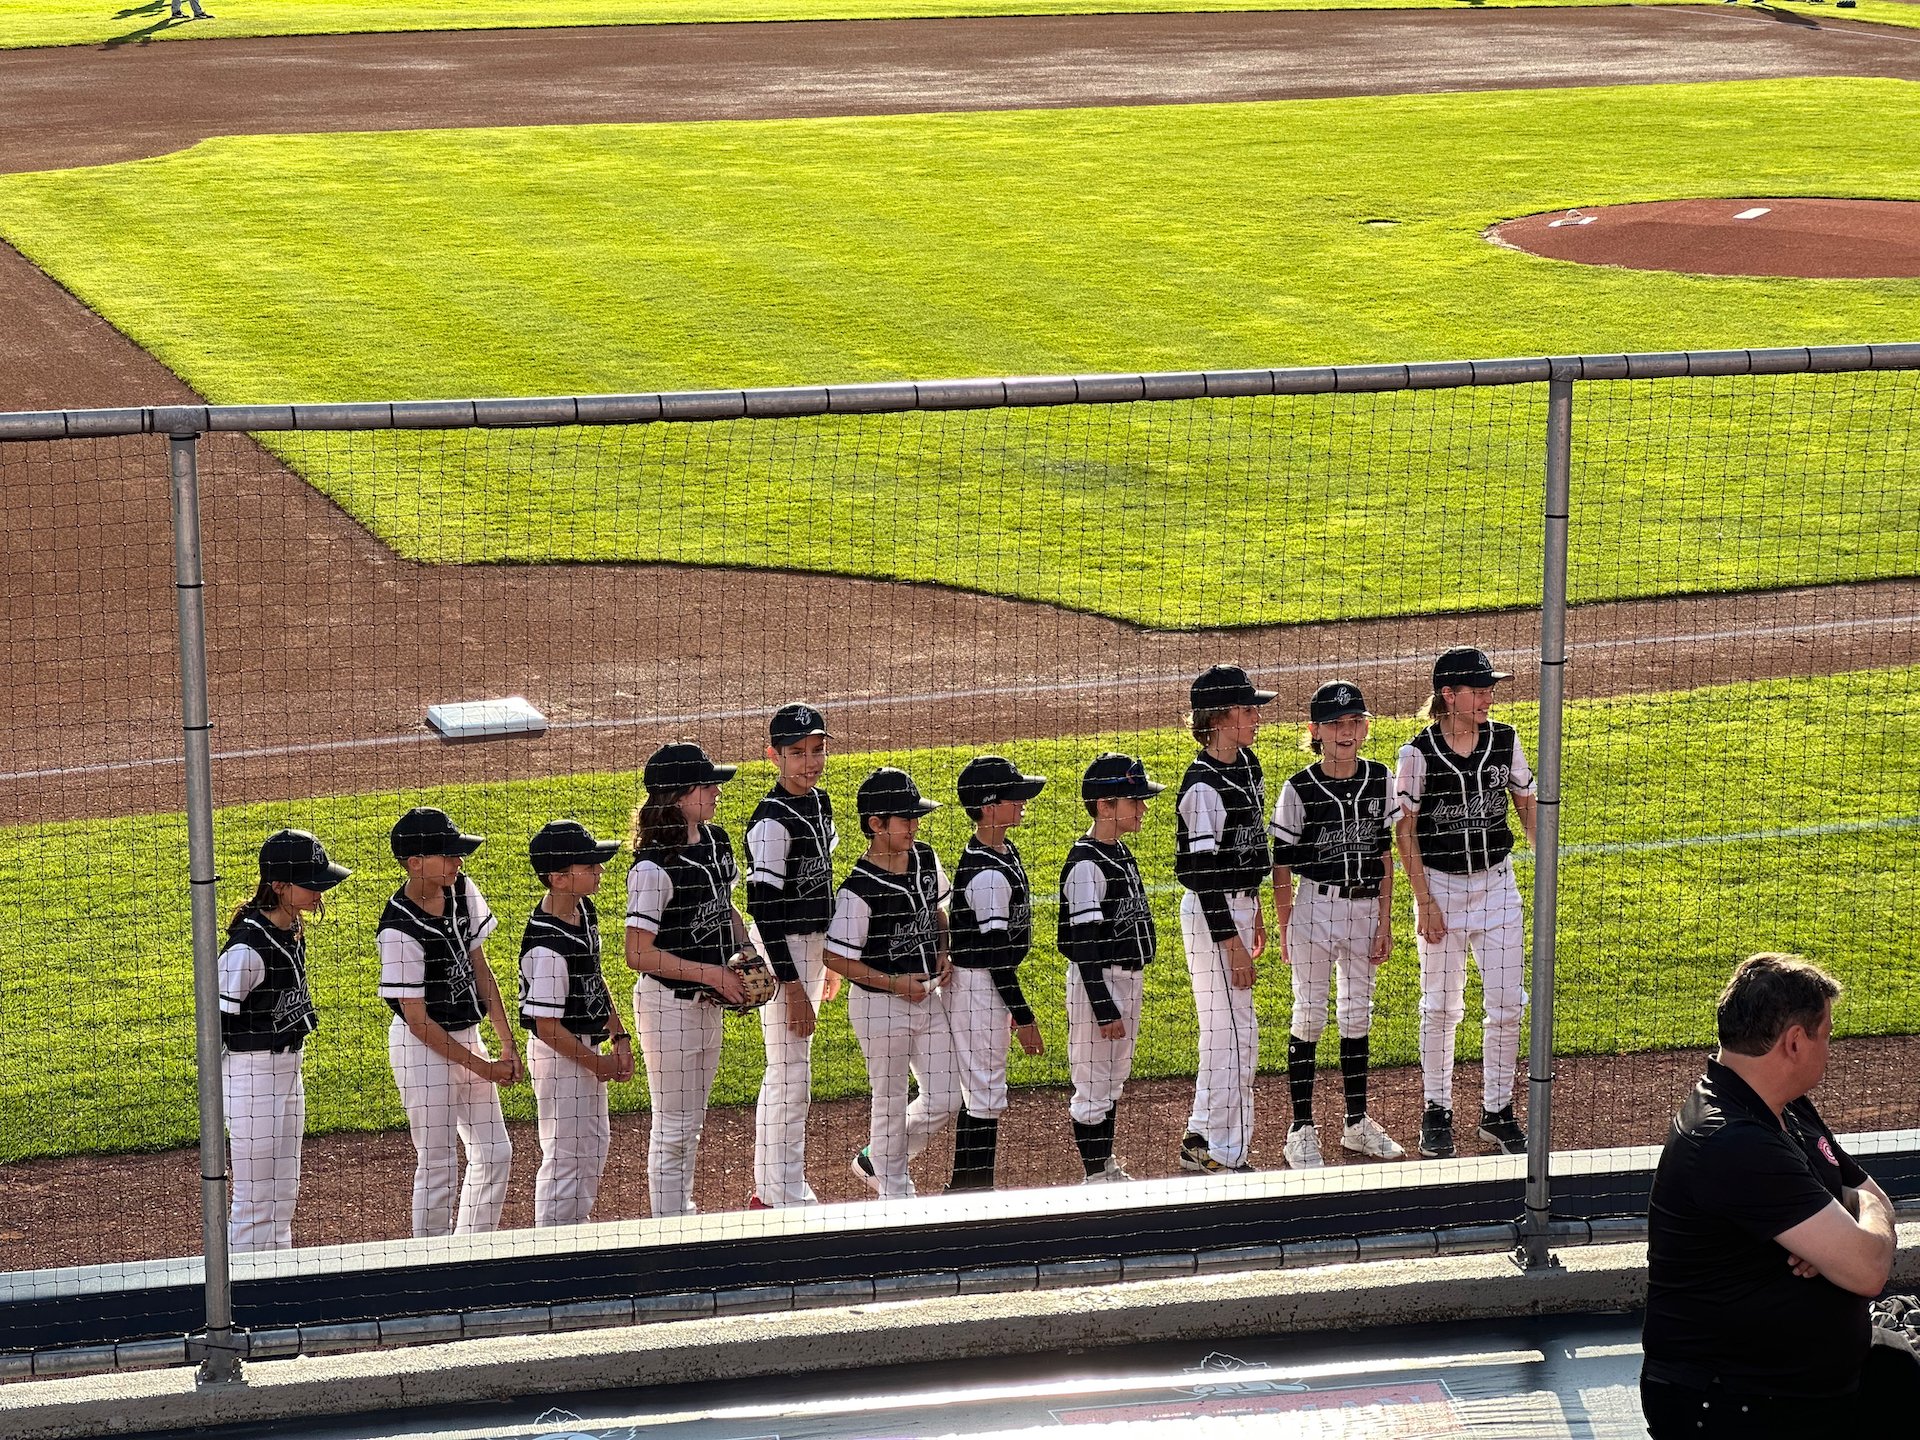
(1500, 1129)
(1436, 1132)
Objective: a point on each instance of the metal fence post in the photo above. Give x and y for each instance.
(1535, 1252)
(220, 1360)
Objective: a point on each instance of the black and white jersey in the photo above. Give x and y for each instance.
(560, 975)
(890, 922)
(1337, 832)
(1461, 800)
(264, 1003)
(1105, 919)
(1220, 834)
(991, 916)
(790, 845)
(430, 957)
(683, 897)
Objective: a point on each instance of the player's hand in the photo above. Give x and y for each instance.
(942, 969)
(1805, 1269)
(1259, 934)
(727, 985)
(832, 992)
(1286, 950)
(1029, 1038)
(1382, 949)
(622, 1058)
(1240, 973)
(500, 1072)
(516, 1067)
(1431, 924)
(913, 988)
(800, 1016)
(1114, 1030)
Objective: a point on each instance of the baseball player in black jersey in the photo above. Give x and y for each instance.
(1333, 828)
(266, 1014)
(888, 936)
(1106, 932)
(682, 929)
(434, 977)
(1222, 859)
(1455, 778)
(991, 924)
(790, 843)
(565, 1003)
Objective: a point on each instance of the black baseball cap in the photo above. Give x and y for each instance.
(986, 779)
(795, 722)
(297, 858)
(891, 792)
(424, 830)
(1464, 665)
(681, 766)
(1114, 776)
(1226, 685)
(562, 843)
(1335, 699)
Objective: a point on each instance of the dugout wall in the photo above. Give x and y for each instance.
(1724, 546)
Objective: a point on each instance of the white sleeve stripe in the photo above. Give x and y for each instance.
(1085, 917)
(540, 1007)
(840, 948)
(1203, 844)
(776, 878)
(229, 1006)
(400, 991)
(998, 922)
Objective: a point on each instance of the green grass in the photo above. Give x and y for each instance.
(92, 22)
(96, 1029)
(621, 258)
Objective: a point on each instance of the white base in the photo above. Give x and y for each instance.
(486, 719)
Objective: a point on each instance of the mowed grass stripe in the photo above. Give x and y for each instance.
(88, 22)
(94, 941)
(624, 258)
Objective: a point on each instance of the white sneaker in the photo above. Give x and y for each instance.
(1303, 1149)
(1112, 1175)
(1365, 1137)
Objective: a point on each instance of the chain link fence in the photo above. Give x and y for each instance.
(1722, 548)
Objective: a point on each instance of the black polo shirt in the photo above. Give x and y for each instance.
(1722, 1306)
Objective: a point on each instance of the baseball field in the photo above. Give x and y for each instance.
(81, 22)
(1734, 778)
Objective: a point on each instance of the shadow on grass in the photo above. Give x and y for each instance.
(156, 11)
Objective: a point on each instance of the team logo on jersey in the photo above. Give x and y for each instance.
(709, 917)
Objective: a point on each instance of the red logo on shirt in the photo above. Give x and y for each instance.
(1827, 1150)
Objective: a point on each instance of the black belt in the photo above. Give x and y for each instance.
(1348, 892)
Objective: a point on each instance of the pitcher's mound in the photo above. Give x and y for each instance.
(1815, 239)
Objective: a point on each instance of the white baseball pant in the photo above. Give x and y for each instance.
(1100, 1066)
(1229, 1033)
(680, 1041)
(786, 1089)
(981, 1028)
(448, 1106)
(574, 1135)
(1325, 934)
(266, 1105)
(1482, 911)
(896, 1036)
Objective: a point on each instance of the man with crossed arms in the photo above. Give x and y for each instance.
(1766, 1241)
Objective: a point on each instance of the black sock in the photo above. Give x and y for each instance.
(1300, 1078)
(1353, 1075)
(976, 1139)
(1106, 1135)
(1095, 1142)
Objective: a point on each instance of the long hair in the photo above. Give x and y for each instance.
(657, 822)
(1436, 706)
(264, 900)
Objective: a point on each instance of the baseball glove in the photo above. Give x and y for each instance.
(756, 979)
